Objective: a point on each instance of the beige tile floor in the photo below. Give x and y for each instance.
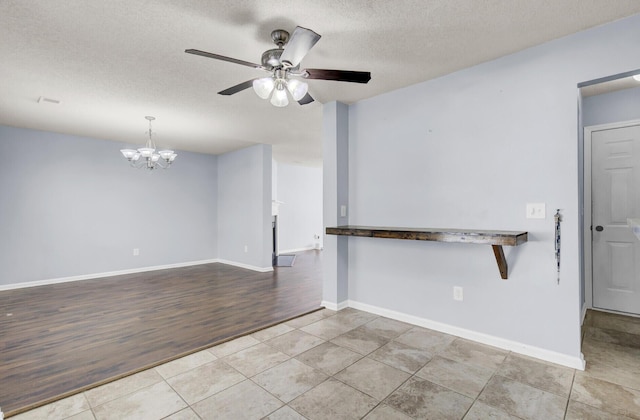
(355, 365)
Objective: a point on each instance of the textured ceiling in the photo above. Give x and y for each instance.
(110, 63)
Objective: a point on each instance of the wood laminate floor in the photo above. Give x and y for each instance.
(59, 339)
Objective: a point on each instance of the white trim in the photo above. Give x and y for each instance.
(335, 306)
(247, 266)
(584, 313)
(514, 346)
(288, 251)
(100, 275)
(627, 314)
(129, 271)
(588, 240)
(586, 228)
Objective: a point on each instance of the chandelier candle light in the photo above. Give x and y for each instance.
(150, 158)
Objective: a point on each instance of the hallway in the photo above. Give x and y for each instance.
(611, 348)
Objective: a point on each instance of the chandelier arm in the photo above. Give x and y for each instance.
(138, 164)
(163, 164)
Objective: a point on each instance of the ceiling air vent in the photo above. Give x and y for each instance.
(42, 99)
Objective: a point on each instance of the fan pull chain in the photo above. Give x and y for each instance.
(558, 219)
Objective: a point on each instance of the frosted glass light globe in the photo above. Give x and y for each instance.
(297, 89)
(279, 98)
(263, 87)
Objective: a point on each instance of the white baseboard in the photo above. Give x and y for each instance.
(100, 275)
(247, 266)
(290, 251)
(128, 271)
(525, 349)
(584, 313)
(335, 306)
(609, 311)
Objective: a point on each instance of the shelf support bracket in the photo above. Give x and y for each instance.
(501, 260)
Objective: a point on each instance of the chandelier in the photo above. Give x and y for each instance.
(279, 84)
(147, 157)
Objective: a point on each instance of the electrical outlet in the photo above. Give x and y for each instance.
(136, 252)
(457, 293)
(343, 211)
(246, 248)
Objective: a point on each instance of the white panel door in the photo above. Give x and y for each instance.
(615, 184)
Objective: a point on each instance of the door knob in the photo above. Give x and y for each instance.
(599, 228)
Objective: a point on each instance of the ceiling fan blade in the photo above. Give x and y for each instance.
(339, 75)
(307, 99)
(223, 58)
(237, 88)
(301, 41)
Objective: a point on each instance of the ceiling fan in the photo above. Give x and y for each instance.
(283, 64)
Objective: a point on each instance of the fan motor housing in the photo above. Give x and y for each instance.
(271, 58)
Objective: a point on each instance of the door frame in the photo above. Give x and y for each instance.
(587, 235)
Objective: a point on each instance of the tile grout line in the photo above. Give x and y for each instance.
(411, 375)
(180, 396)
(356, 361)
(495, 372)
(573, 380)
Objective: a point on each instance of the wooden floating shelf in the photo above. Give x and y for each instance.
(495, 238)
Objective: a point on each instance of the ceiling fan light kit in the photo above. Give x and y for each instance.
(263, 87)
(275, 87)
(283, 64)
(146, 157)
(279, 97)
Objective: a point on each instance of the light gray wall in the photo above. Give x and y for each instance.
(335, 181)
(274, 179)
(266, 230)
(622, 105)
(300, 218)
(244, 206)
(469, 150)
(73, 206)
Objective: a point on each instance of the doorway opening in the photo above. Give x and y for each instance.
(608, 119)
(609, 196)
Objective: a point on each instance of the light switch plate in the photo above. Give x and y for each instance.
(457, 293)
(536, 211)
